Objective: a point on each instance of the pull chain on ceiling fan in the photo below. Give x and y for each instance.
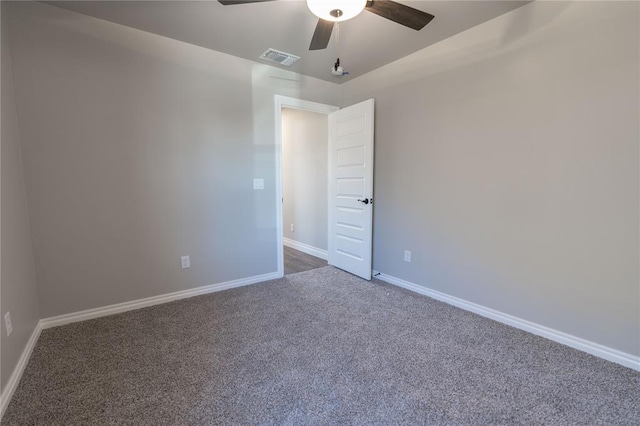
(337, 69)
(331, 11)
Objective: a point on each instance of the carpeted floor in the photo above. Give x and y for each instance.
(318, 347)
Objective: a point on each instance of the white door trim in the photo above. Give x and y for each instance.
(287, 102)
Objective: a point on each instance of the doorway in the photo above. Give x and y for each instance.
(304, 189)
(302, 157)
(349, 200)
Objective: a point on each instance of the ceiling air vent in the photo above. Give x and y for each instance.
(282, 58)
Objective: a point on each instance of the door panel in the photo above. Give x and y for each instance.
(350, 156)
(351, 180)
(349, 187)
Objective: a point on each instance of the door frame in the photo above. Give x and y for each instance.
(300, 104)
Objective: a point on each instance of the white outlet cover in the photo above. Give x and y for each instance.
(258, 184)
(407, 256)
(185, 262)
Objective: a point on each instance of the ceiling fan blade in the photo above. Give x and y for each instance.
(232, 2)
(403, 15)
(321, 35)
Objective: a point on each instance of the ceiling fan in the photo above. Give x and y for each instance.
(331, 11)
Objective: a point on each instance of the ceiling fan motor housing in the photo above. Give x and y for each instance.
(336, 10)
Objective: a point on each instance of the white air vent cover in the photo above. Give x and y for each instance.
(282, 58)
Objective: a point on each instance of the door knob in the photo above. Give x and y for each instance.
(366, 201)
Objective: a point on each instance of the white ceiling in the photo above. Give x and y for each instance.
(366, 42)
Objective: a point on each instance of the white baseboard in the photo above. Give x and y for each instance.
(12, 384)
(306, 248)
(596, 349)
(150, 301)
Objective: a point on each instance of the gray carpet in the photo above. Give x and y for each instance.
(318, 347)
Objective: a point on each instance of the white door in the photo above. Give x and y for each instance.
(351, 188)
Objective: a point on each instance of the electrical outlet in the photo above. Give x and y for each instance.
(7, 322)
(258, 183)
(185, 262)
(407, 256)
(293, 228)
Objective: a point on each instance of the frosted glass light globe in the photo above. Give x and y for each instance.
(326, 9)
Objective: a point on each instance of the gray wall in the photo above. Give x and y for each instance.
(140, 149)
(507, 162)
(304, 176)
(18, 292)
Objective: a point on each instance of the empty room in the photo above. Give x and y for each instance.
(320, 212)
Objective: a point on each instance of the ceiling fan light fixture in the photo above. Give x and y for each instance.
(336, 10)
